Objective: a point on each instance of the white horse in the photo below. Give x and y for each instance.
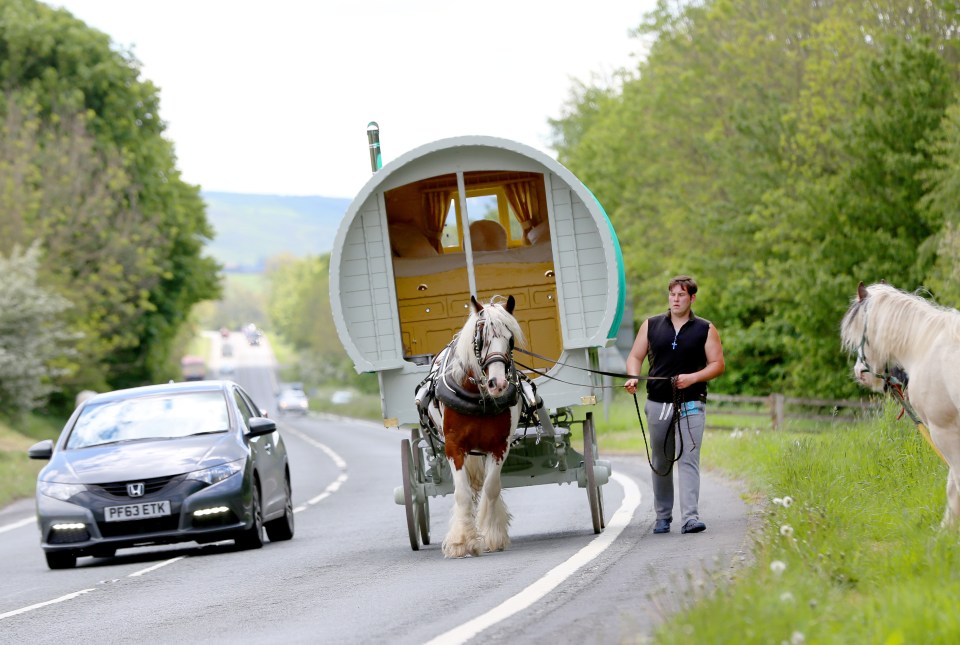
(886, 328)
(478, 402)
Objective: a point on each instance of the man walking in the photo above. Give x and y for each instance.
(684, 352)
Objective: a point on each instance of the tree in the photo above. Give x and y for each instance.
(74, 87)
(33, 338)
(776, 151)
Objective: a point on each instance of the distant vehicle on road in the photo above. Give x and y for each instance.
(293, 400)
(252, 334)
(162, 464)
(193, 368)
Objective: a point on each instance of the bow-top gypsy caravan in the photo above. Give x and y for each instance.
(487, 217)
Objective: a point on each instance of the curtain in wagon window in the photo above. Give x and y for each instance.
(435, 204)
(522, 197)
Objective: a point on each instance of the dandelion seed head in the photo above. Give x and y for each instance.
(786, 530)
(778, 501)
(786, 596)
(797, 638)
(778, 566)
(787, 501)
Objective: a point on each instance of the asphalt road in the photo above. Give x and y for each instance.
(349, 575)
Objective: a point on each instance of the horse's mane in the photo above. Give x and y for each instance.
(497, 320)
(897, 322)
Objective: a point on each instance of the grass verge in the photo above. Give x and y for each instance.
(18, 473)
(849, 548)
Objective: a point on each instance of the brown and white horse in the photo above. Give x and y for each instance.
(889, 328)
(479, 406)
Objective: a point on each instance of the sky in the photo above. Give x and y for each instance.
(275, 97)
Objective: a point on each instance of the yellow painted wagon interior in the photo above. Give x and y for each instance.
(511, 250)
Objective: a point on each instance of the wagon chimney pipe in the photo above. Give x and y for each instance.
(373, 138)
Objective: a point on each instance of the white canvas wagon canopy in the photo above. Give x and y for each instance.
(484, 216)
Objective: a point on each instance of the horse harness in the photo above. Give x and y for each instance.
(438, 386)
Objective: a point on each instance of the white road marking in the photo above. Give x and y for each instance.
(552, 579)
(18, 524)
(24, 610)
(156, 566)
(337, 460)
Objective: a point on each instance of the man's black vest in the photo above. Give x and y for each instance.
(671, 353)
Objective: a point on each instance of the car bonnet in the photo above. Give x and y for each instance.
(142, 459)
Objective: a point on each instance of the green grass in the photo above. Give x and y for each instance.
(18, 473)
(864, 559)
(362, 406)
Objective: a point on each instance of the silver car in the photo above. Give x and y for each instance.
(194, 461)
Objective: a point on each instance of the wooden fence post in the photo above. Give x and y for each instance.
(776, 410)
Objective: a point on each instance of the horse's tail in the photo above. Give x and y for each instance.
(475, 466)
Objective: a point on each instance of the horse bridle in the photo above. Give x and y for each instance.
(861, 354)
(491, 357)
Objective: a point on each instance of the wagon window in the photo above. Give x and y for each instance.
(451, 237)
(482, 204)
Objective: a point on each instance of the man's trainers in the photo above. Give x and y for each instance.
(662, 526)
(693, 526)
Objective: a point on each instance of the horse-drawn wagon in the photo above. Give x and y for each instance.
(481, 216)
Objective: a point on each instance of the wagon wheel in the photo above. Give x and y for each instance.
(594, 492)
(423, 514)
(413, 509)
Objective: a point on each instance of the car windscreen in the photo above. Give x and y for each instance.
(166, 416)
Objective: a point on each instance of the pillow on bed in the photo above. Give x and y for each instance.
(539, 233)
(487, 235)
(407, 241)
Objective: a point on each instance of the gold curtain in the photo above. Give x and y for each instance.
(523, 197)
(435, 208)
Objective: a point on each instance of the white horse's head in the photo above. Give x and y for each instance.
(877, 329)
(485, 345)
(853, 334)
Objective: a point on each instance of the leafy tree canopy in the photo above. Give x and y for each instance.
(779, 152)
(86, 171)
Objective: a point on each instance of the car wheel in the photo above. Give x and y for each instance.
(252, 538)
(61, 559)
(281, 528)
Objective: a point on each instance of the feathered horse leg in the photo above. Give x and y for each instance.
(493, 518)
(462, 539)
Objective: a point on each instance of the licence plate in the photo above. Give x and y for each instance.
(136, 511)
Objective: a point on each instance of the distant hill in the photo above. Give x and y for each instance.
(251, 228)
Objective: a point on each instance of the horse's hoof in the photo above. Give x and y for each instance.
(461, 550)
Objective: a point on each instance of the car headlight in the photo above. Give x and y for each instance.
(216, 474)
(59, 491)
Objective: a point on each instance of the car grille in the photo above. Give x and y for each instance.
(119, 489)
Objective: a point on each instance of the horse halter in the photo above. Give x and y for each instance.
(491, 357)
(887, 377)
(861, 355)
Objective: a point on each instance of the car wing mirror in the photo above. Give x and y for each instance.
(261, 425)
(41, 450)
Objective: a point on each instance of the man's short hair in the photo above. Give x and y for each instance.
(689, 284)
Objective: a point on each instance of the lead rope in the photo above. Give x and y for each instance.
(666, 439)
